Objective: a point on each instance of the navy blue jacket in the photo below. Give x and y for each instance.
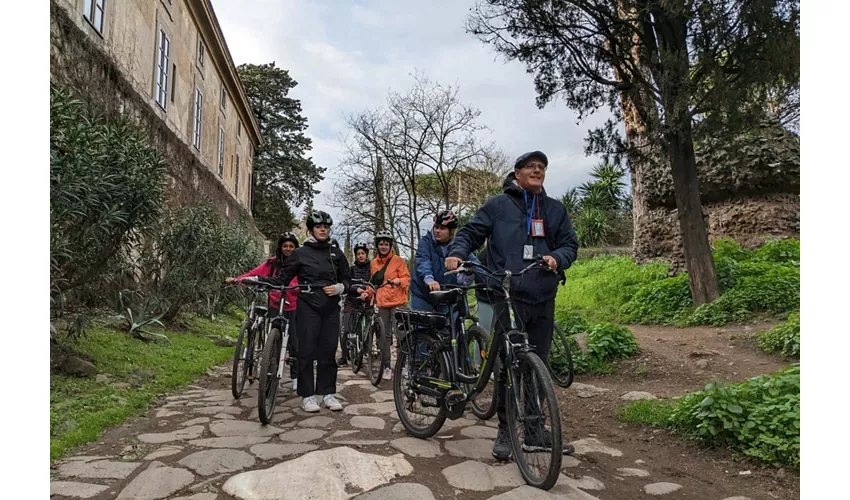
(503, 223)
(430, 262)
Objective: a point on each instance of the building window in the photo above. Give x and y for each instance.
(93, 12)
(161, 89)
(237, 176)
(223, 99)
(202, 52)
(220, 152)
(173, 82)
(199, 100)
(239, 129)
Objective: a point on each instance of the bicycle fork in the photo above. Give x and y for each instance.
(284, 343)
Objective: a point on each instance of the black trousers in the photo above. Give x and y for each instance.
(318, 334)
(538, 321)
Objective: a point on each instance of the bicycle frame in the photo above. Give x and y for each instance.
(439, 389)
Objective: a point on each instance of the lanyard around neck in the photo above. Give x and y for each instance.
(530, 212)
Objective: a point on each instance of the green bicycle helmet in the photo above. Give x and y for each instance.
(319, 217)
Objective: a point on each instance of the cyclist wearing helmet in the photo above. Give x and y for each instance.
(360, 270)
(388, 267)
(286, 244)
(319, 264)
(429, 265)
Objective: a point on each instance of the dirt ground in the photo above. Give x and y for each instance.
(667, 367)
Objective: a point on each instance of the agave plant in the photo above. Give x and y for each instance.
(592, 228)
(137, 322)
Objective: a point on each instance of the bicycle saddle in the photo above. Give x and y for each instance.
(446, 296)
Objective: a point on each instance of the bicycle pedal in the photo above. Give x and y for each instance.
(455, 396)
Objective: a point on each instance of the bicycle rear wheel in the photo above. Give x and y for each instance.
(240, 358)
(269, 383)
(478, 342)
(374, 350)
(535, 424)
(421, 415)
(560, 362)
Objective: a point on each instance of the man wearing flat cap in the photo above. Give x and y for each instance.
(517, 225)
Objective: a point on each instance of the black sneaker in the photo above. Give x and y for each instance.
(502, 446)
(537, 440)
(542, 441)
(342, 362)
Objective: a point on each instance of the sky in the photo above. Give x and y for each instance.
(347, 55)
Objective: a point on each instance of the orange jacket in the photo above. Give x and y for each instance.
(391, 296)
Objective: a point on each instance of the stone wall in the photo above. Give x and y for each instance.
(79, 64)
(750, 192)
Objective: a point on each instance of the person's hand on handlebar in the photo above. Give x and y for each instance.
(229, 281)
(551, 262)
(452, 263)
(395, 282)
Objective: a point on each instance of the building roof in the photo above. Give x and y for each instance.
(207, 22)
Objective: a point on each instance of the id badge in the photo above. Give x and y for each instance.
(537, 228)
(528, 252)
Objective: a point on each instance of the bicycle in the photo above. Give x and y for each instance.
(355, 329)
(561, 371)
(273, 357)
(375, 331)
(436, 380)
(251, 334)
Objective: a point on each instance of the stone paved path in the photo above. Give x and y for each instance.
(201, 444)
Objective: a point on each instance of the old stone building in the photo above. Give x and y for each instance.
(166, 63)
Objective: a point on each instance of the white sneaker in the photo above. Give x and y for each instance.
(295, 385)
(330, 402)
(388, 373)
(309, 404)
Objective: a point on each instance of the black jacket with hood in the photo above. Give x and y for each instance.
(503, 223)
(319, 264)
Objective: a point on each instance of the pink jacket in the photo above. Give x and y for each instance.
(264, 270)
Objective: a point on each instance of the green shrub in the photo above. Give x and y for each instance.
(605, 343)
(107, 187)
(591, 225)
(727, 248)
(197, 250)
(659, 302)
(759, 417)
(571, 323)
(782, 339)
(786, 252)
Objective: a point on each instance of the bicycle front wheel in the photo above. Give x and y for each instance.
(534, 421)
(374, 351)
(240, 358)
(560, 362)
(269, 383)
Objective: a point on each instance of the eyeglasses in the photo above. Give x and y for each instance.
(532, 166)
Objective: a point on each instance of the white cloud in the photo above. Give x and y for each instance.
(347, 55)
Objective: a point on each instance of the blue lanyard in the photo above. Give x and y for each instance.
(525, 194)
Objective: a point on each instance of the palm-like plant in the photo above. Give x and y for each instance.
(136, 322)
(571, 201)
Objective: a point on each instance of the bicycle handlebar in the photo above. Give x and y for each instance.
(468, 267)
(254, 283)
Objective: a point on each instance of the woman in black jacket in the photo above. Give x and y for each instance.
(325, 267)
(359, 272)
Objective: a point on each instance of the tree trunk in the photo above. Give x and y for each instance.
(671, 30)
(379, 198)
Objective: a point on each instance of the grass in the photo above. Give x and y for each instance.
(597, 288)
(81, 409)
(654, 412)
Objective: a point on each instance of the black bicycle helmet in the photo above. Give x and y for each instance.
(361, 246)
(446, 218)
(319, 217)
(383, 235)
(288, 237)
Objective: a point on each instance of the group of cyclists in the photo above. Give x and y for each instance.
(513, 227)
